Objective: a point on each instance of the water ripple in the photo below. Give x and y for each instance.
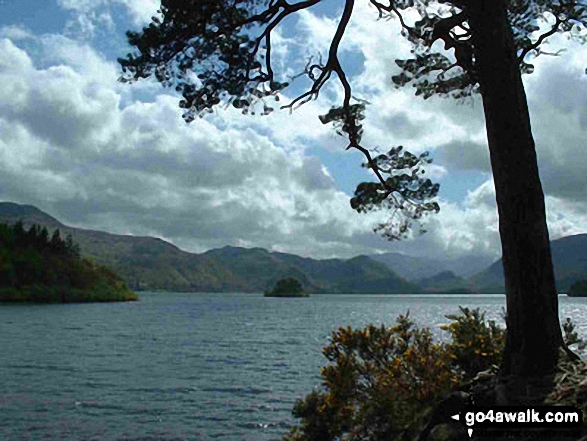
(185, 366)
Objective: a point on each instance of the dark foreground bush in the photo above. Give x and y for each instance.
(381, 382)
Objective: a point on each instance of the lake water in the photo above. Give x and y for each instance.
(185, 366)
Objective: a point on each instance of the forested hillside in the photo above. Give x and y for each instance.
(38, 267)
(147, 263)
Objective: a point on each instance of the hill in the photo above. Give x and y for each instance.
(38, 267)
(147, 263)
(446, 282)
(357, 275)
(11, 213)
(569, 256)
(416, 269)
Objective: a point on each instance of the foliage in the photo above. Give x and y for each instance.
(210, 37)
(219, 52)
(379, 379)
(437, 72)
(578, 289)
(288, 287)
(149, 264)
(403, 190)
(477, 343)
(380, 382)
(36, 267)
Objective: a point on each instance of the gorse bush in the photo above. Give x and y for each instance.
(477, 343)
(379, 380)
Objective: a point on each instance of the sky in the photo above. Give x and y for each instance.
(97, 153)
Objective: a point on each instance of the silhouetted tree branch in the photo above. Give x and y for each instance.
(219, 52)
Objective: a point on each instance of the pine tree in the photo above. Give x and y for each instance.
(227, 43)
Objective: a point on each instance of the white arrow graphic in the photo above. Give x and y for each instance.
(457, 417)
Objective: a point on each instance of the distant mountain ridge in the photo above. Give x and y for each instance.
(11, 212)
(418, 268)
(446, 282)
(569, 256)
(147, 263)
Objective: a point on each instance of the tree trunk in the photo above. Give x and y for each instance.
(533, 330)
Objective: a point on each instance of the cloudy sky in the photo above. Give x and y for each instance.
(96, 153)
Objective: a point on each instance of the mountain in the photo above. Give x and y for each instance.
(11, 213)
(411, 268)
(569, 256)
(469, 265)
(477, 274)
(359, 274)
(416, 269)
(446, 282)
(147, 263)
(143, 262)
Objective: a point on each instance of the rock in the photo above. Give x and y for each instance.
(442, 413)
(567, 386)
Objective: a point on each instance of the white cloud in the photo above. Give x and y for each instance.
(15, 32)
(318, 30)
(100, 154)
(557, 95)
(565, 218)
(464, 155)
(76, 151)
(92, 15)
(141, 10)
(395, 117)
(12, 59)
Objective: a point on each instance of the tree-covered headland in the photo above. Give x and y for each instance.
(38, 267)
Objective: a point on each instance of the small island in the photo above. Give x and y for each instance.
(578, 289)
(289, 287)
(36, 267)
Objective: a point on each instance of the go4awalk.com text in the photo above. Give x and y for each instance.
(520, 421)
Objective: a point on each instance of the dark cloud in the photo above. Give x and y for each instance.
(405, 127)
(558, 98)
(76, 144)
(463, 155)
(69, 147)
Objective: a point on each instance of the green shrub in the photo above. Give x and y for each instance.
(379, 380)
(288, 287)
(477, 343)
